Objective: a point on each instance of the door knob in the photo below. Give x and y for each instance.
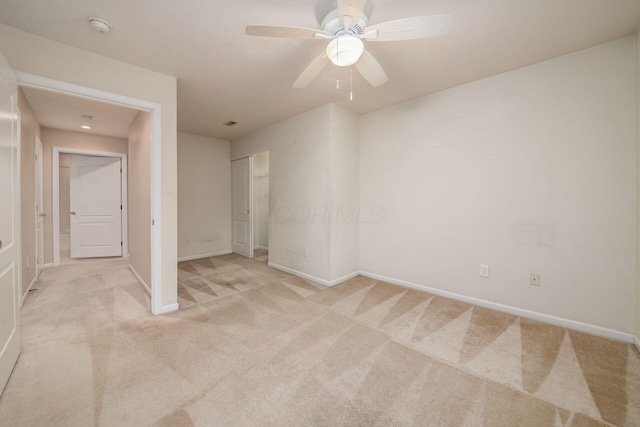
(43, 214)
(72, 212)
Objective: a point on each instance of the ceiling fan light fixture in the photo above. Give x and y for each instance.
(345, 50)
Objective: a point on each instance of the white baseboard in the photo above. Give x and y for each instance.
(142, 282)
(26, 293)
(190, 257)
(49, 265)
(260, 247)
(558, 321)
(169, 308)
(636, 342)
(324, 282)
(343, 278)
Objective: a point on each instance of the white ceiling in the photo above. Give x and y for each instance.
(225, 75)
(60, 111)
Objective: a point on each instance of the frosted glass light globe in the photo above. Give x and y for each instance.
(345, 50)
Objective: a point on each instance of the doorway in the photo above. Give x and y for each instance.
(92, 206)
(242, 225)
(92, 248)
(250, 206)
(152, 259)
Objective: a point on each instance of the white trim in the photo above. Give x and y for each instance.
(142, 282)
(260, 247)
(30, 80)
(210, 254)
(343, 278)
(164, 309)
(51, 85)
(328, 283)
(155, 222)
(553, 320)
(636, 342)
(169, 308)
(24, 296)
(55, 170)
(38, 143)
(49, 265)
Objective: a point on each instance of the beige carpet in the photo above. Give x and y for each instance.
(253, 346)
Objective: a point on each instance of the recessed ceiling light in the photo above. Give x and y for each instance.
(100, 25)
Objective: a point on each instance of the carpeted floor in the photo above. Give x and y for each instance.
(254, 346)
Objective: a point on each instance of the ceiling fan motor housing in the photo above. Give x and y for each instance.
(331, 24)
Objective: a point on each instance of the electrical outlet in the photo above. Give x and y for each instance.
(305, 252)
(484, 270)
(534, 279)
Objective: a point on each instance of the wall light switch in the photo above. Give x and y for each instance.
(484, 270)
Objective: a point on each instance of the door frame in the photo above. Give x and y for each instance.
(233, 187)
(56, 196)
(39, 163)
(251, 190)
(154, 109)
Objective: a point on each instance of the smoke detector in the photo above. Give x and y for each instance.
(99, 25)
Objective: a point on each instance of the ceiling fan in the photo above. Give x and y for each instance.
(345, 28)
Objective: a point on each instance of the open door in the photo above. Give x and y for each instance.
(9, 225)
(37, 170)
(96, 207)
(242, 235)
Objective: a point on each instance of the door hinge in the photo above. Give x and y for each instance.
(35, 157)
(120, 170)
(121, 244)
(153, 222)
(120, 207)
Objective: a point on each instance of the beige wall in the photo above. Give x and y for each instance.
(42, 57)
(67, 139)
(312, 162)
(530, 171)
(29, 128)
(345, 208)
(139, 195)
(298, 188)
(204, 195)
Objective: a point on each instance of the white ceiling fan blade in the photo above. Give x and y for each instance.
(371, 69)
(311, 71)
(286, 32)
(349, 11)
(418, 27)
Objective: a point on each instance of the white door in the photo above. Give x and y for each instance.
(96, 207)
(37, 170)
(9, 226)
(241, 243)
